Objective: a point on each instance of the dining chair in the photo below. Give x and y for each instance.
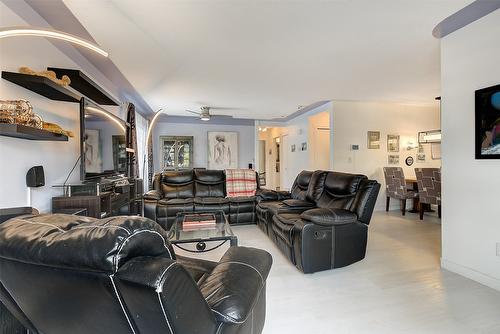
(395, 187)
(429, 188)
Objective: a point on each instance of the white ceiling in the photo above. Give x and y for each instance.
(267, 57)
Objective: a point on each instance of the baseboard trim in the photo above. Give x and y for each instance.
(472, 274)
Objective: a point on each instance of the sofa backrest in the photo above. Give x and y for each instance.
(339, 190)
(209, 183)
(177, 184)
(365, 200)
(63, 271)
(301, 185)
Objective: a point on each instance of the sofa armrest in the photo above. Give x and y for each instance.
(152, 195)
(271, 195)
(161, 288)
(329, 217)
(234, 286)
(299, 204)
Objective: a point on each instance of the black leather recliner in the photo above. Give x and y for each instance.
(64, 274)
(324, 223)
(194, 190)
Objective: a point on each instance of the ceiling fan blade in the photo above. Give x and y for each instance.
(226, 108)
(193, 112)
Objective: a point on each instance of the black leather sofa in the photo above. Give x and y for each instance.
(322, 223)
(195, 190)
(63, 274)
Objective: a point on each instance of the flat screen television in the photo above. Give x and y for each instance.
(488, 123)
(103, 142)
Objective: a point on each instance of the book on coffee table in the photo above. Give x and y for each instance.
(205, 220)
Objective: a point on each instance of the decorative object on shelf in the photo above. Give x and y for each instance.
(392, 143)
(303, 146)
(393, 159)
(436, 151)
(48, 33)
(409, 161)
(373, 140)
(19, 112)
(420, 157)
(64, 81)
(293, 148)
(131, 138)
(54, 128)
(427, 137)
(222, 150)
(487, 144)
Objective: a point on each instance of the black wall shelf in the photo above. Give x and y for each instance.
(28, 132)
(41, 85)
(82, 83)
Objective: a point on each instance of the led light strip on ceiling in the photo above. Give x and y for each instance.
(27, 31)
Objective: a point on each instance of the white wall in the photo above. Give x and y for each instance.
(469, 61)
(18, 155)
(352, 121)
(246, 141)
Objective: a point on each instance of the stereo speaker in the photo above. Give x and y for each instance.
(35, 177)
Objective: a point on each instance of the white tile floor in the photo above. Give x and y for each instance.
(398, 288)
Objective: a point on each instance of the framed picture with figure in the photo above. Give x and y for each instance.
(222, 150)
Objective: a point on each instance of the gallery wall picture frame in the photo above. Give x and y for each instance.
(392, 143)
(436, 151)
(393, 159)
(222, 149)
(292, 148)
(420, 157)
(303, 146)
(373, 138)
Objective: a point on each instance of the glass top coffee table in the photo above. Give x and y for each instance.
(222, 232)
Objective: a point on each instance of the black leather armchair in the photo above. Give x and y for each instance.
(79, 275)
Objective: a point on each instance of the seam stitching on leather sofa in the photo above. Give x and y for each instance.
(116, 259)
(247, 265)
(158, 282)
(164, 313)
(40, 223)
(121, 302)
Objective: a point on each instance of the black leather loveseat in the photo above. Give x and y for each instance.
(62, 274)
(322, 223)
(195, 190)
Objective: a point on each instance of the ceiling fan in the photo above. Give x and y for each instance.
(204, 112)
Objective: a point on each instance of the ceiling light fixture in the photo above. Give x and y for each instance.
(48, 33)
(110, 116)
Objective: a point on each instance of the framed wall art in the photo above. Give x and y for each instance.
(222, 150)
(392, 143)
(373, 140)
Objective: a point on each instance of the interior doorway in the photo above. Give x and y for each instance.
(319, 141)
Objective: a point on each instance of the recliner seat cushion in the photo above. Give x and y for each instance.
(329, 217)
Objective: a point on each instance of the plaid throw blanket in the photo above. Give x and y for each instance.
(240, 182)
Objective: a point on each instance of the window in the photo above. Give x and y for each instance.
(176, 152)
